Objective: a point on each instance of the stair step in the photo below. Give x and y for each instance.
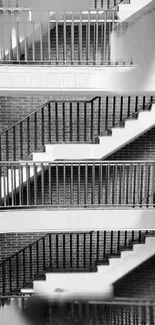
(69, 270)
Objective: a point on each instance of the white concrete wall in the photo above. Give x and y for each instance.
(79, 220)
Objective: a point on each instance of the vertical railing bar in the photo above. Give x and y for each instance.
(14, 143)
(106, 117)
(30, 261)
(101, 191)
(80, 37)
(131, 168)
(77, 249)
(57, 184)
(42, 185)
(88, 38)
(50, 184)
(79, 186)
(57, 48)
(49, 38)
(85, 122)
(35, 184)
(27, 183)
(90, 253)
(86, 185)
(78, 122)
(7, 146)
(57, 251)
(84, 249)
(49, 122)
(10, 45)
(72, 37)
(148, 185)
(42, 125)
(92, 116)
(145, 187)
(94, 43)
(41, 42)
(102, 38)
(56, 120)
(114, 106)
(123, 183)
(12, 194)
(72, 184)
(64, 251)
(70, 122)
(44, 255)
(21, 140)
(105, 28)
(108, 189)
(33, 36)
(118, 241)
(111, 244)
(64, 37)
(97, 37)
(14, 167)
(63, 110)
(99, 114)
(17, 37)
(115, 183)
(35, 128)
(121, 110)
(4, 184)
(28, 135)
(93, 184)
(104, 245)
(64, 177)
(71, 251)
(17, 273)
(138, 182)
(20, 193)
(98, 241)
(50, 249)
(37, 251)
(129, 105)
(153, 179)
(26, 44)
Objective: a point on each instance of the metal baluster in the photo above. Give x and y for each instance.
(72, 199)
(35, 130)
(99, 114)
(37, 251)
(102, 38)
(17, 37)
(92, 119)
(50, 184)
(129, 98)
(105, 28)
(44, 255)
(100, 185)
(104, 245)
(14, 143)
(136, 104)
(49, 122)
(57, 251)
(57, 184)
(84, 249)
(57, 44)
(42, 125)
(10, 274)
(97, 38)
(148, 186)
(121, 110)
(4, 184)
(35, 184)
(85, 122)
(138, 183)
(21, 140)
(72, 37)
(7, 146)
(70, 122)
(56, 121)
(86, 183)
(33, 36)
(63, 110)
(94, 44)
(77, 237)
(145, 186)
(106, 116)
(93, 184)
(20, 193)
(71, 251)
(28, 135)
(98, 242)
(49, 37)
(80, 37)
(64, 38)
(17, 271)
(79, 186)
(30, 263)
(41, 42)
(153, 179)
(108, 187)
(118, 241)
(27, 184)
(12, 188)
(64, 177)
(90, 253)
(115, 188)
(77, 122)
(111, 244)
(144, 102)
(50, 249)
(42, 185)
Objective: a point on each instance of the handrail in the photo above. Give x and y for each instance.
(44, 105)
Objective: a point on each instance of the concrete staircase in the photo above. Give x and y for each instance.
(120, 136)
(93, 286)
(127, 10)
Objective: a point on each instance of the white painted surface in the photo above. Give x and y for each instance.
(75, 286)
(126, 10)
(128, 261)
(79, 220)
(108, 144)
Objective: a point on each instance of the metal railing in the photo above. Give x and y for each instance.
(108, 4)
(117, 312)
(74, 121)
(59, 38)
(76, 184)
(80, 252)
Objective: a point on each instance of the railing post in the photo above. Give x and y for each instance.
(72, 38)
(64, 39)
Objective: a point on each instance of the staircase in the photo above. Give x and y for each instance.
(127, 10)
(43, 256)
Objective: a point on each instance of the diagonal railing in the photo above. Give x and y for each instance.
(108, 4)
(72, 121)
(43, 255)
